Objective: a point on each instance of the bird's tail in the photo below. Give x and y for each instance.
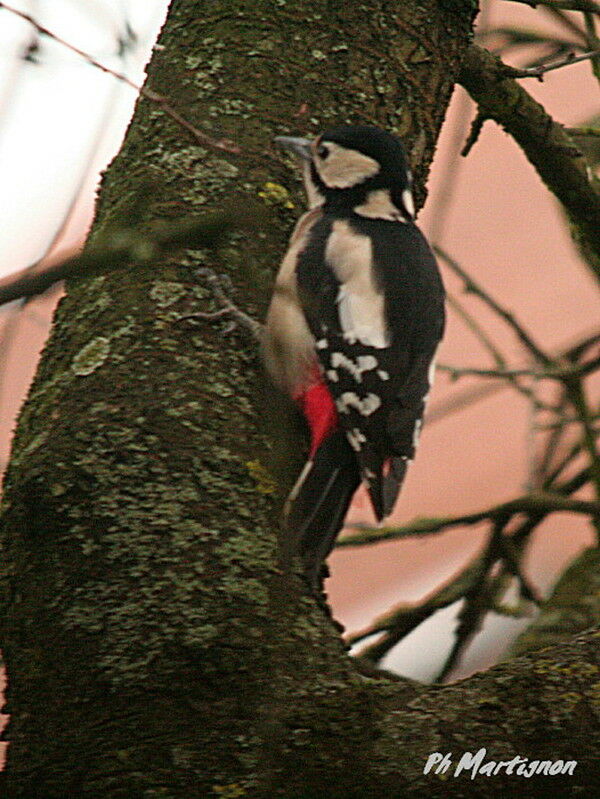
(317, 504)
(384, 482)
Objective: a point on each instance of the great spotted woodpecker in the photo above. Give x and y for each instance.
(356, 316)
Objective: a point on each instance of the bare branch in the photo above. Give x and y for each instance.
(539, 72)
(477, 330)
(544, 141)
(578, 399)
(118, 248)
(534, 503)
(560, 373)
(502, 374)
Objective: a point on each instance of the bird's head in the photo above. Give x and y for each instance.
(356, 168)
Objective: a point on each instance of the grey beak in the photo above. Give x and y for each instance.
(297, 145)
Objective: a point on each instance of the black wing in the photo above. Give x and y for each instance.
(380, 391)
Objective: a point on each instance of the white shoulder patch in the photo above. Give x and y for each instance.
(361, 305)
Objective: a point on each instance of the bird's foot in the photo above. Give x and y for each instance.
(220, 285)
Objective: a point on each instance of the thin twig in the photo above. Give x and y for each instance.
(118, 248)
(477, 602)
(544, 142)
(473, 394)
(539, 72)
(201, 137)
(533, 409)
(552, 442)
(578, 399)
(477, 330)
(467, 371)
(561, 373)
(475, 288)
(569, 23)
(535, 502)
(590, 29)
(474, 133)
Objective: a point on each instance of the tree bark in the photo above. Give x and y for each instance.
(154, 645)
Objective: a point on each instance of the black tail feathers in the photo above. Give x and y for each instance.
(318, 502)
(384, 483)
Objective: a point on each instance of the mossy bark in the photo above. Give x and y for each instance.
(154, 646)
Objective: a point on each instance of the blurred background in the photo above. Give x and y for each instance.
(63, 118)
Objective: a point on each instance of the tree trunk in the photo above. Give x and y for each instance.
(154, 645)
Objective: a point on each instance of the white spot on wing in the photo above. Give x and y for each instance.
(365, 406)
(362, 364)
(356, 438)
(430, 379)
(383, 375)
(321, 344)
(332, 375)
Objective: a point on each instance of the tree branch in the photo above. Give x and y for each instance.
(539, 72)
(118, 248)
(536, 502)
(544, 141)
(473, 287)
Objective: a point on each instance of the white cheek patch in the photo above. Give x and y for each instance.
(365, 406)
(343, 168)
(363, 363)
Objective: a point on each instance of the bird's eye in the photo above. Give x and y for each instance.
(322, 151)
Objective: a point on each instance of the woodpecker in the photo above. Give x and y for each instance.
(351, 333)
